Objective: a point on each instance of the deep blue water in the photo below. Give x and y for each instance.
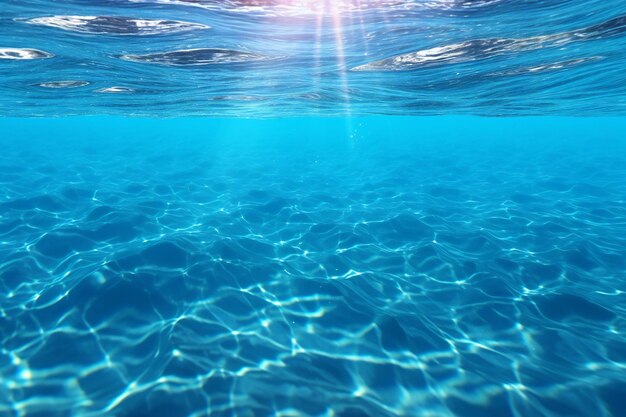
(312, 208)
(304, 267)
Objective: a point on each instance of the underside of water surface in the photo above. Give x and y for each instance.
(312, 208)
(270, 58)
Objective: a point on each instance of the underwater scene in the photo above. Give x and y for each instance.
(294, 208)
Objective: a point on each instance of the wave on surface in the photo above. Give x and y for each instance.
(403, 57)
(486, 48)
(23, 53)
(116, 25)
(63, 84)
(202, 56)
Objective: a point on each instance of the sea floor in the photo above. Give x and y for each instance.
(312, 267)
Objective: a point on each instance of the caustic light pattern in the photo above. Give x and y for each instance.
(273, 268)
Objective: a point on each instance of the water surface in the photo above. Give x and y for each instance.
(313, 57)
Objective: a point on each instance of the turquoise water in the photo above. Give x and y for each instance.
(304, 267)
(294, 208)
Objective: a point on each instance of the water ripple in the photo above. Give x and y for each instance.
(23, 53)
(63, 84)
(478, 49)
(116, 25)
(203, 56)
(351, 57)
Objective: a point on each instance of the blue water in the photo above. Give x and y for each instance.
(297, 267)
(268, 58)
(309, 208)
